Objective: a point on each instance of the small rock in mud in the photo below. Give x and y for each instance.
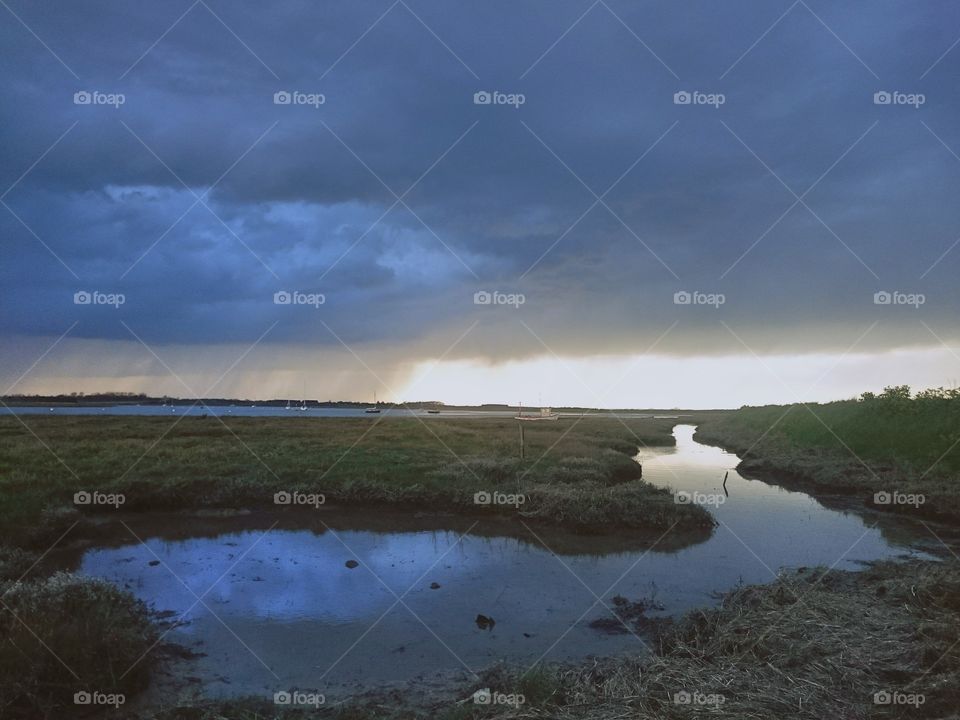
(484, 622)
(434, 585)
(351, 564)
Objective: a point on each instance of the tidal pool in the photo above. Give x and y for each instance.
(268, 602)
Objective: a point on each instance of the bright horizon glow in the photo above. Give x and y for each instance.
(674, 382)
(601, 381)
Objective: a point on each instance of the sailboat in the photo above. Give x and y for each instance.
(373, 410)
(303, 399)
(288, 406)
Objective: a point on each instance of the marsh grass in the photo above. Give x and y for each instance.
(894, 441)
(65, 634)
(578, 472)
(814, 644)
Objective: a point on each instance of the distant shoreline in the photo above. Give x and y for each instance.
(113, 400)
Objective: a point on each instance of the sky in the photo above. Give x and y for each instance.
(609, 203)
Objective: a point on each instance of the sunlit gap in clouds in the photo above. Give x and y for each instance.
(683, 382)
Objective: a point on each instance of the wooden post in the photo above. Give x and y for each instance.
(520, 425)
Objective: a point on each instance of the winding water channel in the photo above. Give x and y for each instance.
(268, 601)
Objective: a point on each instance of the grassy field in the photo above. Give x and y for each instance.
(577, 473)
(883, 448)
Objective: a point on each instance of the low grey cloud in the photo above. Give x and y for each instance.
(398, 197)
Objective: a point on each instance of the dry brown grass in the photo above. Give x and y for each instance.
(815, 644)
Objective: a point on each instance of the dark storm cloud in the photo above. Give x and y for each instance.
(505, 203)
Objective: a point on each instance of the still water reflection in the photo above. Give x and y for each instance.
(279, 608)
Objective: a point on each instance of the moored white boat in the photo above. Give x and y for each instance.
(545, 414)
